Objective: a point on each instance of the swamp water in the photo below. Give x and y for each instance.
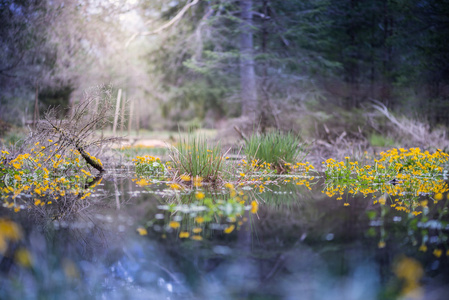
(134, 242)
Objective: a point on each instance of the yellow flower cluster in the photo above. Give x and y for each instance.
(404, 173)
(37, 178)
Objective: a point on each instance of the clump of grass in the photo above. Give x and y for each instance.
(196, 159)
(279, 150)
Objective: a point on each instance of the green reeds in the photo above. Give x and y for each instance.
(280, 150)
(195, 158)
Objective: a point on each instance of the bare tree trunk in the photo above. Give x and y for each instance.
(117, 111)
(36, 106)
(247, 71)
(130, 120)
(122, 114)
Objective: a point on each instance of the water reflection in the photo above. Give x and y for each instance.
(297, 244)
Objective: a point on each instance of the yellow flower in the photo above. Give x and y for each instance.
(242, 174)
(197, 181)
(10, 230)
(229, 185)
(423, 248)
(175, 186)
(17, 177)
(83, 197)
(142, 182)
(184, 234)
(174, 224)
(199, 195)
(346, 204)
(142, 231)
(437, 252)
(37, 202)
(229, 229)
(197, 230)
(254, 206)
(381, 244)
(23, 258)
(185, 177)
(197, 237)
(438, 197)
(199, 219)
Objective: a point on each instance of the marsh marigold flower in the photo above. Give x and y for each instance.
(142, 231)
(184, 234)
(199, 195)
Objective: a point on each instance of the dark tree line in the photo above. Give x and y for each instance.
(393, 51)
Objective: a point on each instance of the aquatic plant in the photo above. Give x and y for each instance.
(277, 150)
(148, 166)
(40, 177)
(193, 157)
(199, 214)
(402, 175)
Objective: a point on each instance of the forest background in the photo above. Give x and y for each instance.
(372, 73)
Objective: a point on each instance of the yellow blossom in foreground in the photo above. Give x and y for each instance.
(438, 196)
(254, 206)
(142, 231)
(437, 252)
(142, 182)
(197, 181)
(185, 177)
(197, 237)
(175, 186)
(199, 195)
(9, 230)
(229, 185)
(174, 224)
(184, 234)
(381, 244)
(382, 199)
(410, 271)
(23, 258)
(423, 248)
(197, 230)
(199, 220)
(229, 229)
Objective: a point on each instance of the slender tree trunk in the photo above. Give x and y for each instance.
(36, 107)
(117, 111)
(247, 73)
(122, 114)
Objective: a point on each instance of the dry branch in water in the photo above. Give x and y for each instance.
(78, 130)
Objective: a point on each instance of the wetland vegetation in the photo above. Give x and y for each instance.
(224, 149)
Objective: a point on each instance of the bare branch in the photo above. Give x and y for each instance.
(166, 25)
